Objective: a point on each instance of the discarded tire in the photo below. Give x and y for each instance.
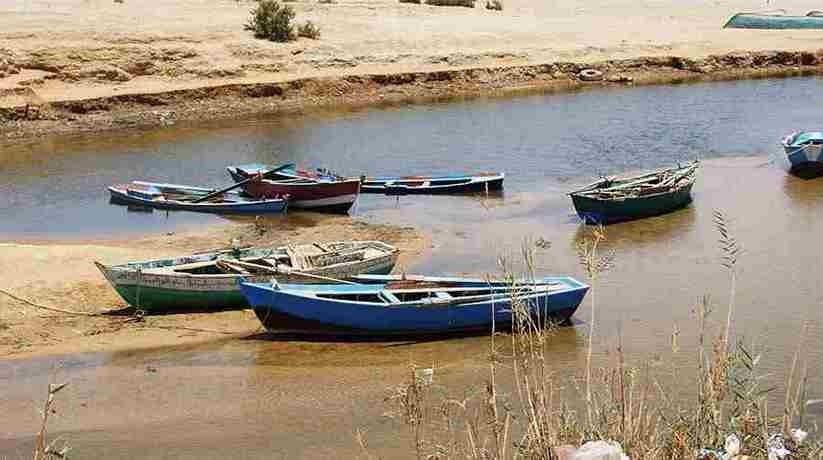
(590, 75)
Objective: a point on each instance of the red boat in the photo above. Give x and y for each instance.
(335, 196)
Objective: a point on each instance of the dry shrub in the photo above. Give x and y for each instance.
(272, 21)
(412, 1)
(496, 5)
(465, 3)
(309, 30)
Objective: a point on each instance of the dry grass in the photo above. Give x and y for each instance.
(629, 404)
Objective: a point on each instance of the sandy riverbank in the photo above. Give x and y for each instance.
(61, 274)
(96, 65)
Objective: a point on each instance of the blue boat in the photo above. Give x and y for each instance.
(186, 198)
(803, 150)
(413, 305)
(812, 20)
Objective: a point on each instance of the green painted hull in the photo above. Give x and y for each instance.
(155, 299)
(594, 211)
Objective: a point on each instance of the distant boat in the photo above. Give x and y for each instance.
(433, 185)
(812, 20)
(389, 185)
(185, 198)
(321, 193)
(803, 150)
(210, 280)
(414, 305)
(612, 200)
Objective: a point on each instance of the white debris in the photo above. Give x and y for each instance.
(600, 450)
(732, 446)
(424, 375)
(799, 435)
(777, 449)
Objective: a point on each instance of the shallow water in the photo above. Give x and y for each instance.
(261, 398)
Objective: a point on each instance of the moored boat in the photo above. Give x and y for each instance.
(803, 150)
(321, 193)
(812, 20)
(432, 185)
(611, 200)
(210, 280)
(411, 305)
(186, 198)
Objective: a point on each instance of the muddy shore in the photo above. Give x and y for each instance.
(61, 274)
(138, 111)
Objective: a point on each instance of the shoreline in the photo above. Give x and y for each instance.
(139, 111)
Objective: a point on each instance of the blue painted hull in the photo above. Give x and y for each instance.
(605, 212)
(805, 161)
(772, 21)
(249, 207)
(408, 318)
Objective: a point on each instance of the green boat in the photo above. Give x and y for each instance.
(209, 281)
(775, 21)
(611, 200)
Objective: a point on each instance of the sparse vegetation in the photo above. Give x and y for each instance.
(727, 417)
(309, 30)
(496, 5)
(412, 1)
(272, 21)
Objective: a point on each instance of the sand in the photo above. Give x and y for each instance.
(78, 49)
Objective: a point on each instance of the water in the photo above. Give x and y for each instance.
(259, 398)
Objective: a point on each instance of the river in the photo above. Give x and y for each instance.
(259, 398)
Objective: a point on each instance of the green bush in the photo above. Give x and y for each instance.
(271, 21)
(309, 30)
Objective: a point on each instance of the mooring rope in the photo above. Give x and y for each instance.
(43, 307)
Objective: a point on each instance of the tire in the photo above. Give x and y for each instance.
(590, 75)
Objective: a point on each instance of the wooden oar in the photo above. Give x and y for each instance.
(273, 270)
(241, 183)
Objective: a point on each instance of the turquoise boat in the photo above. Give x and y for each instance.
(611, 200)
(812, 20)
(209, 281)
(414, 305)
(804, 150)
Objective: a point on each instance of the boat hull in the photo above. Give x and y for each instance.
(433, 186)
(766, 21)
(333, 197)
(259, 207)
(407, 320)
(595, 211)
(164, 292)
(805, 161)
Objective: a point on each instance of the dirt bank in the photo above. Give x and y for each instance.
(61, 274)
(92, 65)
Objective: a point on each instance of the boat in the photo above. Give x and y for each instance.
(432, 185)
(775, 20)
(321, 193)
(803, 150)
(413, 305)
(210, 280)
(611, 200)
(187, 198)
(390, 185)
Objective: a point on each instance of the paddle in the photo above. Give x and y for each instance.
(243, 182)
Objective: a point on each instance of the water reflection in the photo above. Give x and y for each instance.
(668, 228)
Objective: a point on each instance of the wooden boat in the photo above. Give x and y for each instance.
(431, 185)
(775, 20)
(389, 185)
(803, 150)
(387, 305)
(612, 200)
(210, 280)
(184, 198)
(326, 193)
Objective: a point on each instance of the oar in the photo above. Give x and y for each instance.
(285, 272)
(241, 183)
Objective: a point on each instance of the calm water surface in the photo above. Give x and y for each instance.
(260, 398)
